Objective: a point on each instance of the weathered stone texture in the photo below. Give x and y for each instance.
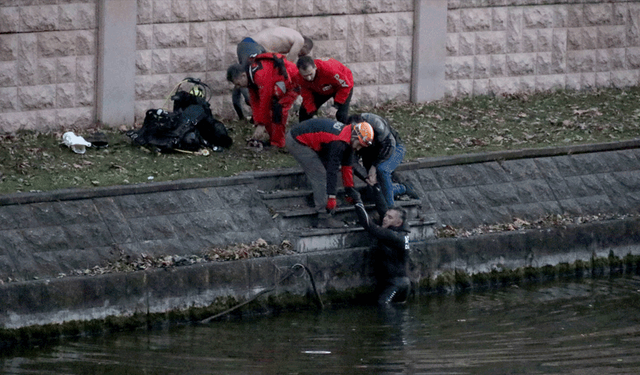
(48, 65)
(492, 46)
(75, 234)
(373, 38)
(544, 45)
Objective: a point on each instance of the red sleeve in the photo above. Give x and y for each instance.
(261, 107)
(307, 95)
(347, 176)
(293, 83)
(344, 83)
(307, 99)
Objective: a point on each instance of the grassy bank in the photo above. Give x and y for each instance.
(38, 162)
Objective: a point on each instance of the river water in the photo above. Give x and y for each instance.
(586, 327)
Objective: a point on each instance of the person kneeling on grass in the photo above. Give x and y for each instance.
(390, 254)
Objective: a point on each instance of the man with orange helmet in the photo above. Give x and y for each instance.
(324, 147)
(383, 155)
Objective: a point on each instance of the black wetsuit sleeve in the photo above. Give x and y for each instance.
(379, 200)
(396, 237)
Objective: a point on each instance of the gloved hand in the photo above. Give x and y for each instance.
(331, 203)
(353, 196)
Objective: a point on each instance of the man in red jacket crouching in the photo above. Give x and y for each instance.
(324, 147)
(321, 80)
(272, 91)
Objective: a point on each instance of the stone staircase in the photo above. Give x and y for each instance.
(290, 202)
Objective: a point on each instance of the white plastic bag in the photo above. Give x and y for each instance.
(75, 142)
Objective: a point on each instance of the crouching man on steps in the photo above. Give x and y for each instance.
(324, 147)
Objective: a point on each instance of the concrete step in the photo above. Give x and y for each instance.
(286, 178)
(292, 209)
(313, 239)
(288, 219)
(300, 215)
(279, 200)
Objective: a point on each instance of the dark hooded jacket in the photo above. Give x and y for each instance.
(392, 248)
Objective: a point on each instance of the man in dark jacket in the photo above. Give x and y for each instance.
(382, 157)
(391, 252)
(324, 147)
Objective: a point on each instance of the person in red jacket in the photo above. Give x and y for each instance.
(272, 91)
(321, 80)
(324, 147)
(284, 40)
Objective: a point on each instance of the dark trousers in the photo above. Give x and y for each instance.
(246, 48)
(319, 100)
(237, 96)
(314, 170)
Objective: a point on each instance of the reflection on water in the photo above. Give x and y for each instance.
(589, 327)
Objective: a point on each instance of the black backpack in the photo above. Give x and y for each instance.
(189, 127)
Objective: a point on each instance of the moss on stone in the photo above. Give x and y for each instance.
(598, 266)
(531, 274)
(566, 271)
(452, 281)
(480, 280)
(580, 267)
(462, 280)
(445, 282)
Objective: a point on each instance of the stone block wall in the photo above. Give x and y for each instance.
(76, 231)
(199, 38)
(47, 64)
(508, 46)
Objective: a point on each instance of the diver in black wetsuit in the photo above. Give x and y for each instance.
(391, 251)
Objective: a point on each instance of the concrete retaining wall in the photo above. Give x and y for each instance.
(47, 64)
(374, 39)
(199, 291)
(45, 234)
(471, 190)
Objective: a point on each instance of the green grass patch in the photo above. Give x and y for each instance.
(39, 162)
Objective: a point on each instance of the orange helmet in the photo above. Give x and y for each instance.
(364, 131)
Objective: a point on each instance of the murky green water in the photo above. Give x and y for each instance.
(589, 327)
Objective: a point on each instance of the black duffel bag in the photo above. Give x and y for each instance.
(190, 127)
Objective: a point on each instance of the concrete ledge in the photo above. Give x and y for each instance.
(204, 286)
(529, 248)
(517, 154)
(268, 179)
(119, 190)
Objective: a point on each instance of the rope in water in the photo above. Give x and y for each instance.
(289, 273)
